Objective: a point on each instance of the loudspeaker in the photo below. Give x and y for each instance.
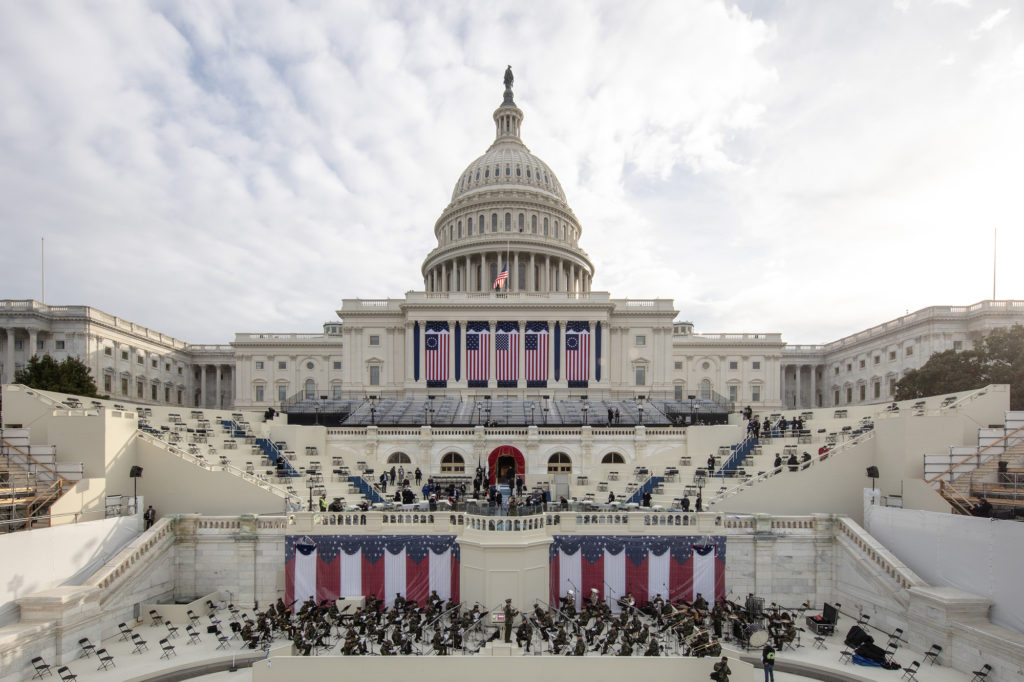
(136, 472)
(872, 472)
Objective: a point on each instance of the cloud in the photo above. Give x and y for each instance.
(211, 168)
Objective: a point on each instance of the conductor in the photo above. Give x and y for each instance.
(510, 614)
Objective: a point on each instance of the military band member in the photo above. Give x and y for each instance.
(581, 648)
(524, 634)
(510, 614)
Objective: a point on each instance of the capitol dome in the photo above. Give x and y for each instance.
(508, 210)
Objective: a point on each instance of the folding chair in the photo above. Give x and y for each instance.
(933, 653)
(890, 651)
(168, 649)
(910, 671)
(896, 636)
(980, 675)
(193, 618)
(106, 660)
(863, 620)
(236, 628)
(139, 644)
(172, 630)
(845, 656)
(222, 639)
(66, 675)
(42, 668)
(87, 647)
(155, 618)
(193, 636)
(126, 632)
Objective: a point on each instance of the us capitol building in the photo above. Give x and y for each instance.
(544, 334)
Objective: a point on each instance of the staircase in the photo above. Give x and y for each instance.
(995, 472)
(31, 480)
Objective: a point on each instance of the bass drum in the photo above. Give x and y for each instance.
(757, 636)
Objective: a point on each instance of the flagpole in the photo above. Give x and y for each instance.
(995, 243)
(509, 269)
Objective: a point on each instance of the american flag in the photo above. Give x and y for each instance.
(577, 351)
(506, 347)
(501, 278)
(537, 351)
(436, 344)
(674, 566)
(478, 346)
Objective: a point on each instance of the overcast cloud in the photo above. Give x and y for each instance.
(813, 168)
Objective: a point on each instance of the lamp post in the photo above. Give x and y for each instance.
(310, 483)
(479, 409)
(640, 412)
(699, 478)
(585, 408)
(532, 406)
(546, 414)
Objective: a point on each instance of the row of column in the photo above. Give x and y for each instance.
(802, 399)
(219, 394)
(492, 379)
(472, 273)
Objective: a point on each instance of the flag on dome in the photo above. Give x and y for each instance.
(536, 346)
(501, 278)
(478, 346)
(577, 352)
(333, 566)
(506, 353)
(674, 566)
(436, 344)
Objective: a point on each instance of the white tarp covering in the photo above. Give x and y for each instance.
(981, 556)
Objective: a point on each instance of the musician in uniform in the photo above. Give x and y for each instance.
(700, 603)
(524, 634)
(510, 614)
(440, 646)
(561, 639)
(722, 671)
(387, 648)
(626, 649)
(580, 649)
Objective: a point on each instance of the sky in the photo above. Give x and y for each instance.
(811, 168)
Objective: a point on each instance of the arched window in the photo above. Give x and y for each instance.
(545, 227)
(613, 458)
(508, 222)
(451, 232)
(460, 229)
(705, 389)
(559, 463)
(487, 172)
(533, 224)
(399, 458)
(494, 222)
(452, 463)
(469, 227)
(522, 222)
(310, 389)
(519, 172)
(508, 171)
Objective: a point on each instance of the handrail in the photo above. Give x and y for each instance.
(955, 498)
(973, 455)
(3, 441)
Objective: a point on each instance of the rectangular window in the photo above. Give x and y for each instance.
(641, 340)
(374, 340)
(152, 392)
(755, 394)
(259, 364)
(862, 363)
(282, 364)
(106, 383)
(18, 344)
(678, 364)
(878, 389)
(108, 351)
(837, 374)
(124, 385)
(39, 344)
(756, 364)
(167, 368)
(957, 345)
(892, 355)
(138, 389)
(259, 394)
(139, 360)
(849, 395)
(849, 367)
(863, 391)
(641, 376)
(336, 392)
(878, 359)
(337, 364)
(892, 387)
(910, 351)
(124, 355)
(179, 372)
(60, 344)
(282, 392)
(677, 392)
(733, 364)
(167, 395)
(180, 395)
(374, 375)
(734, 393)
(837, 397)
(155, 363)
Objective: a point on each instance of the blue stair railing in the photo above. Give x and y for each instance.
(275, 456)
(738, 453)
(647, 486)
(366, 490)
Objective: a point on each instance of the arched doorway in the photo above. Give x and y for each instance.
(504, 464)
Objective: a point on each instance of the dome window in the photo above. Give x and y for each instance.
(522, 222)
(545, 227)
(533, 224)
(478, 176)
(469, 227)
(527, 173)
(494, 222)
(487, 173)
(519, 172)
(508, 171)
(508, 222)
(497, 171)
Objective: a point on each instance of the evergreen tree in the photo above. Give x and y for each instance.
(70, 376)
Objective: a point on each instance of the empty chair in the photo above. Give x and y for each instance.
(106, 660)
(87, 647)
(222, 639)
(139, 645)
(910, 671)
(66, 674)
(172, 630)
(42, 668)
(933, 653)
(896, 636)
(864, 618)
(193, 617)
(193, 636)
(168, 649)
(126, 632)
(155, 618)
(980, 675)
(890, 651)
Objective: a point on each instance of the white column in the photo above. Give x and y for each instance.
(8, 377)
(814, 386)
(216, 397)
(202, 386)
(531, 277)
(572, 278)
(31, 344)
(558, 277)
(515, 267)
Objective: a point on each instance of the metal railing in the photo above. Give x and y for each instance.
(977, 455)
